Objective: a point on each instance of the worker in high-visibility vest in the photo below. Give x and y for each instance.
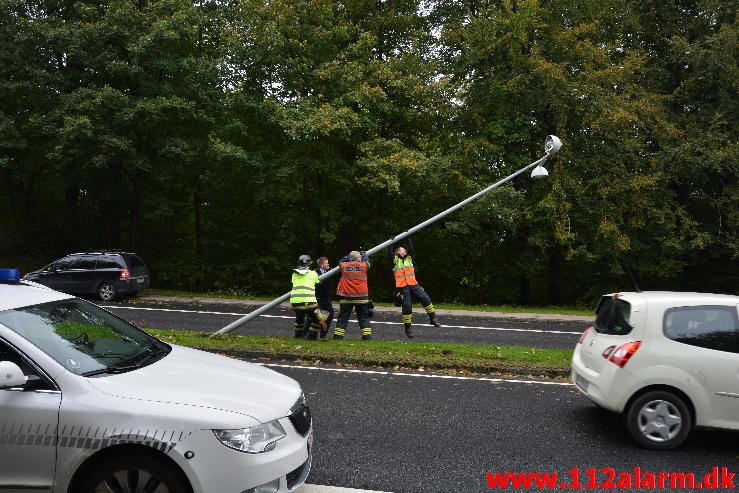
(303, 299)
(408, 287)
(353, 293)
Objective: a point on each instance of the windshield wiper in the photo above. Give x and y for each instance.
(154, 354)
(110, 369)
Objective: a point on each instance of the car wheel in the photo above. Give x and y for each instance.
(659, 420)
(134, 474)
(106, 292)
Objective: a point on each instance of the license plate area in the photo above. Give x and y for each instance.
(581, 382)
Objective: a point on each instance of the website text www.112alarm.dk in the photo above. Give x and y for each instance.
(608, 478)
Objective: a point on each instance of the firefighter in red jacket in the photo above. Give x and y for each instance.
(353, 293)
(408, 287)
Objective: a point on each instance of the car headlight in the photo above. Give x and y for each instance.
(253, 440)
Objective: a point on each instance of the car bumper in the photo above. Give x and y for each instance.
(215, 467)
(133, 285)
(610, 387)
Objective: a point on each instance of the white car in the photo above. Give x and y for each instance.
(667, 361)
(89, 403)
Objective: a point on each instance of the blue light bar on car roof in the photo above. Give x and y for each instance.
(10, 275)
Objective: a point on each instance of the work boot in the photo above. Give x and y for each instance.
(366, 338)
(312, 335)
(432, 320)
(299, 334)
(338, 338)
(408, 331)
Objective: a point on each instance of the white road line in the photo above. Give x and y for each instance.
(115, 307)
(417, 375)
(319, 488)
(374, 322)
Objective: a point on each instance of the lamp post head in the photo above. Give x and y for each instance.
(552, 144)
(539, 172)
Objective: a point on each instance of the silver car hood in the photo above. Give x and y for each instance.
(196, 378)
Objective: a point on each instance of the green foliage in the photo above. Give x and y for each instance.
(220, 140)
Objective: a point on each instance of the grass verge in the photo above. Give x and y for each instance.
(419, 356)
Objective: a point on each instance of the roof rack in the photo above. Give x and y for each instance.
(101, 251)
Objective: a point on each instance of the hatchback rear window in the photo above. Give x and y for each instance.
(612, 316)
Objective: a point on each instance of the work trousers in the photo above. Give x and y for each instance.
(325, 304)
(345, 311)
(305, 318)
(409, 294)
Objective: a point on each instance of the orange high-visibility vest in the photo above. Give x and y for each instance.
(353, 282)
(405, 274)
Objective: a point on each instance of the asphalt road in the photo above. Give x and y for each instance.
(457, 326)
(404, 433)
(424, 433)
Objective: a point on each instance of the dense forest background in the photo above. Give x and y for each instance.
(220, 139)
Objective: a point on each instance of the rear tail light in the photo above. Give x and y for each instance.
(125, 274)
(623, 354)
(582, 337)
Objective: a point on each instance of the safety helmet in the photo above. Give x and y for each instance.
(304, 261)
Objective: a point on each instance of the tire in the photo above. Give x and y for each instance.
(659, 420)
(107, 292)
(129, 474)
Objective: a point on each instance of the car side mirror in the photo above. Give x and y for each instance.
(11, 375)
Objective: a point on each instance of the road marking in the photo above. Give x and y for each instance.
(319, 488)
(116, 307)
(374, 322)
(417, 375)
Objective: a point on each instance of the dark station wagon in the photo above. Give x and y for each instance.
(107, 274)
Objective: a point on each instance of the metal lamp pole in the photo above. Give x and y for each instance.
(551, 146)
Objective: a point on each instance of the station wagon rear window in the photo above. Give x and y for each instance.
(612, 316)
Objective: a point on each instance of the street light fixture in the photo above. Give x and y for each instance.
(539, 172)
(551, 146)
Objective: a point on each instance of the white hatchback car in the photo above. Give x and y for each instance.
(90, 403)
(667, 361)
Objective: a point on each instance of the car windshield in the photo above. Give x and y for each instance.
(612, 316)
(84, 338)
